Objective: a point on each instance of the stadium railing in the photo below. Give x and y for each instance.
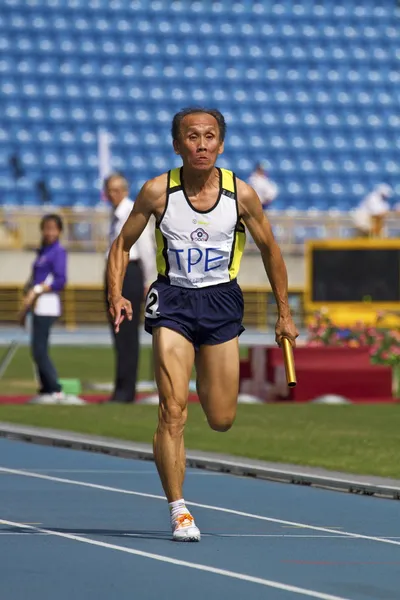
(84, 305)
(88, 229)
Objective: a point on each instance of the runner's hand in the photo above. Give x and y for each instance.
(285, 328)
(120, 308)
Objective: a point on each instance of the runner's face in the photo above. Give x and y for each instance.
(199, 141)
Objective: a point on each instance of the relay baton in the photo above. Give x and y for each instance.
(289, 362)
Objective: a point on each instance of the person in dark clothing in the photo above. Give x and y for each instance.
(139, 275)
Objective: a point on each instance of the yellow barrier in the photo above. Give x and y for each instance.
(353, 280)
(84, 305)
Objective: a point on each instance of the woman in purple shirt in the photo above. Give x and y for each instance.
(43, 300)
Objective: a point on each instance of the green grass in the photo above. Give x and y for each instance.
(356, 439)
(93, 364)
(90, 364)
(359, 439)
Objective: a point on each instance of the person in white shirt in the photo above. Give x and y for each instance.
(139, 275)
(266, 189)
(369, 216)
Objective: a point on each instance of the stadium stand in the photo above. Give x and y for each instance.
(311, 86)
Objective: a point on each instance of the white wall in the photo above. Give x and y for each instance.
(252, 271)
(88, 269)
(83, 268)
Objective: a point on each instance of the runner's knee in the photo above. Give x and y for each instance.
(221, 423)
(172, 416)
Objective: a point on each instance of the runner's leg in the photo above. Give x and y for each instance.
(218, 382)
(173, 362)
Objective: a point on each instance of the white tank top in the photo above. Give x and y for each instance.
(196, 249)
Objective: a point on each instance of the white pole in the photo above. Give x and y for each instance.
(104, 155)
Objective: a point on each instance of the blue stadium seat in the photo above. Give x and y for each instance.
(311, 86)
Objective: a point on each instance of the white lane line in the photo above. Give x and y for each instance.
(120, 472)
(198, 505)
(182, 563)
(289, 535)
(94, 471)
(219, 535)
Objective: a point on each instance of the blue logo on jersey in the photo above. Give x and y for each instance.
(199, 235)
(194, 256)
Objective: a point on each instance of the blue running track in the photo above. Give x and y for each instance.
(81, 526)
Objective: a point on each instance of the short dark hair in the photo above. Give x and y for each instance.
(178, 118)
(52, 217)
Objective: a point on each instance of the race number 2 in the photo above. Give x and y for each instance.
(151, 307)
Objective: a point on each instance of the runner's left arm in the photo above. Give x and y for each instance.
(252, 214)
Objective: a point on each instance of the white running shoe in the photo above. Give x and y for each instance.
(44, 399)
(71, 400)
(58, 398)
(184, 529)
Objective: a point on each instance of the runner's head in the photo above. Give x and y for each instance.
(198, 136)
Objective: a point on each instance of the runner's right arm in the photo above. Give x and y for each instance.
(118, 257)
(147, 203)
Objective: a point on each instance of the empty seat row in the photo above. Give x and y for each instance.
(310, 86)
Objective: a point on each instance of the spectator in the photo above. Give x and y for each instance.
(43, 192)
(16, 166)
(139, 276)
(266, 189)
(369, 216)
(49, 275)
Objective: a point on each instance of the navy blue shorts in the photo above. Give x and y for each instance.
(211, 315)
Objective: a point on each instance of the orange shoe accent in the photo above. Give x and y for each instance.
(184, 520)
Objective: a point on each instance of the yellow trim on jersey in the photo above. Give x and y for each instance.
(160, 258)
(228, 183)
(238, 249)
(175, 178)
